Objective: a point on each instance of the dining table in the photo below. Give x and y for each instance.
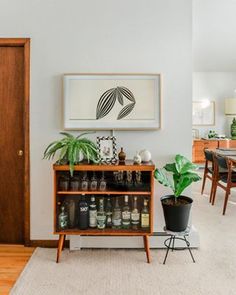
(230, 153)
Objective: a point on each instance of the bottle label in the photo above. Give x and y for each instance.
(93, 218)
(83, 209)
(126, 215)
(145, 220)
(116, 222)
(135, 217)
(101, 221)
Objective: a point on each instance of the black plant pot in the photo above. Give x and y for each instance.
(176, 217)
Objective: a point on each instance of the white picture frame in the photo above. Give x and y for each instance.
(203, 113)
(112, 101)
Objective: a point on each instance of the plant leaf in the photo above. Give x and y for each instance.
(67, 134)
(125, 111)
(163, 179)
(106, 103)
(171, 167)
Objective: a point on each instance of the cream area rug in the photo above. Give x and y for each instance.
(118, 272)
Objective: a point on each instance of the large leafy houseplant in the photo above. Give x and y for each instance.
(71, 149)
(177, 176)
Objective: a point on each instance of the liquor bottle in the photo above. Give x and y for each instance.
(126, 214)
(101, 215)
(103, 183)
(83, 213)
(84, 182)
(108, 212)
(116, 215)
(63, 218)
(145, 215)
(92, 213)
(93, 183)
(135, 215)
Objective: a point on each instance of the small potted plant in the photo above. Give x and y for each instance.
(177, 176)
(72, 150)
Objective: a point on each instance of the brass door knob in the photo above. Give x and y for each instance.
(20, 153)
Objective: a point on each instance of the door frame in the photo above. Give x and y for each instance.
(25, 43)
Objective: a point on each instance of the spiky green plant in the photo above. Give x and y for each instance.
(71, 147)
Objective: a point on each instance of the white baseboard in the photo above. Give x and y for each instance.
(156, 241)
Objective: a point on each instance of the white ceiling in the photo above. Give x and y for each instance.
(214, 35)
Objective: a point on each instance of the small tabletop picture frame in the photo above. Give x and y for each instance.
(107, 149)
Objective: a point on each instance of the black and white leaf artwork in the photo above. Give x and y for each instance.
(108, 100)
(119, 96)
(125, 111)
(106, 103)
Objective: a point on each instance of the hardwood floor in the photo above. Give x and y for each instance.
(13, 259)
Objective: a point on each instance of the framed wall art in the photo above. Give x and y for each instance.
(107, 148)
(112, 101)
(203, 113)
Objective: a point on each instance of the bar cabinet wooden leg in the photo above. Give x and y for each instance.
(64, 241)
(146, 246)
(60, 246)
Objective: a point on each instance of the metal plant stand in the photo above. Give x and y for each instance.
(170, 242)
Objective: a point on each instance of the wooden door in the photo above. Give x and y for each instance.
(12, 143)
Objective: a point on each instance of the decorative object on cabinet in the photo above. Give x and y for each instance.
(195, 133)
(112, 101)
(145, 155)
(130, 210)
(122, 155)
(233, 129)
(72, 150)
(203, 113)
(212, 134)
(177, 207)
(137, 158)
(230, 111)
(107, 149)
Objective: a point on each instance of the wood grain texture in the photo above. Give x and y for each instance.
(13, 259)
(11, 141)
(21, 65)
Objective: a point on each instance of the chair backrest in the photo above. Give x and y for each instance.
(222, 162)
(208, 155)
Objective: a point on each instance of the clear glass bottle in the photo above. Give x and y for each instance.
(74, 183)
(126, 214)
(93, 213)
(71, 209)
(108, 212)
(84, 182)
(135, 214)
(101, 215)
(64, 183)
(93, 182)
(103, 183)
(83, 213)
(63, 218)
(145, 215)
(116, 215)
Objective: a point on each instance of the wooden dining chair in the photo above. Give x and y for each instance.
(223, 180)
(208, 171)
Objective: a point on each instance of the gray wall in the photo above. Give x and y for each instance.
(102, 36)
